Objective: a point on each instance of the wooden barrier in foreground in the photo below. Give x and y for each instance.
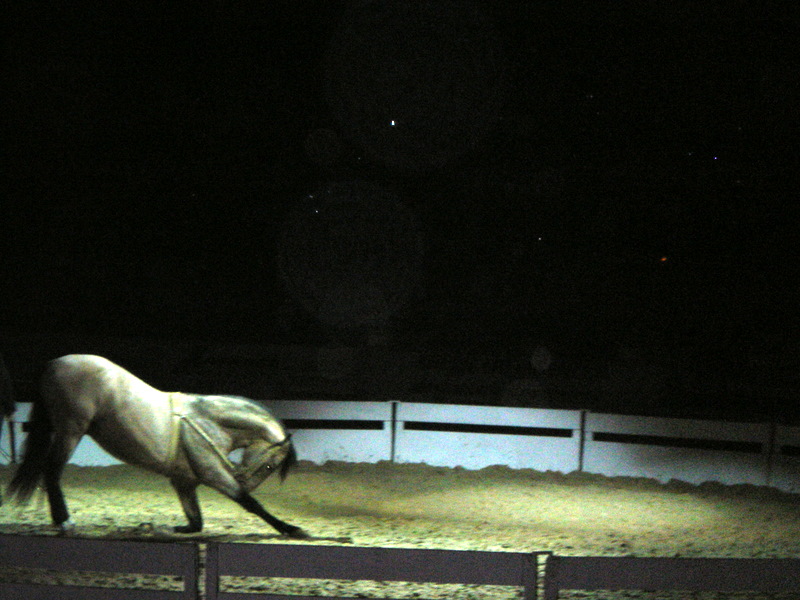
(61, 555)
(358, 564)
(119, 560)
(671, 574)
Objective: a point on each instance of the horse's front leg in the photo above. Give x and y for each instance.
(187, 494)
(210, 469)
(250, 504)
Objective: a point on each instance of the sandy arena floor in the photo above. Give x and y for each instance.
(419, 506)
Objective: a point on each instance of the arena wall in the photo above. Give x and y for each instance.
(474, 437)
(688, 450)
(346, 431)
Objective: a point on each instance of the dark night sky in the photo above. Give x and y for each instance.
(488, 174)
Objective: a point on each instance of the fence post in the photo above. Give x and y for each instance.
(551, 578)
(212, 571)
(582, 441)
(773, 426)
(531, 575)
(12, 440)
(393, 426)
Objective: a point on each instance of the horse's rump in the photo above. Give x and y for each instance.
(128, 418)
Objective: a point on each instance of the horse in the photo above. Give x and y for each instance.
(184, 437)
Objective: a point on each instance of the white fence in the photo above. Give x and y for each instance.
(543, 439)
(478, 436)
(784, 469)
(347, 431)
(688, 450)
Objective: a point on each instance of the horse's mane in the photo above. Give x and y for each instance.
(290, 461)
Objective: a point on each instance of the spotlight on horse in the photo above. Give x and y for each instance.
(184, 437)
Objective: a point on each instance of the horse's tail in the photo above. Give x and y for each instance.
(34, 457)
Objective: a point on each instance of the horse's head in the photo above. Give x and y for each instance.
(262, 458)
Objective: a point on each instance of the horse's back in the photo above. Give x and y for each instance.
(85, 383)
(77, 371)
(77, 363)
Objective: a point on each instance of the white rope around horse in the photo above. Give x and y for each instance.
(176, 401)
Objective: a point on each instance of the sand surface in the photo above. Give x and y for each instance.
(419, 506)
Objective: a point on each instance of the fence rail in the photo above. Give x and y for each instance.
(127, 559)
(372, 564)
(61, 555)
(671, 574)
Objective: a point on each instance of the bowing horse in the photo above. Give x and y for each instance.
(187, 438)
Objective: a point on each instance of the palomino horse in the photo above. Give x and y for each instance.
(186, 438)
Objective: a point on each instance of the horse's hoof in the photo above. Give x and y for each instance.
(66, 528)
(343, 540)
(297, 533)
(185, 529)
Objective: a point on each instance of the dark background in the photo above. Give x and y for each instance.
(612, 181)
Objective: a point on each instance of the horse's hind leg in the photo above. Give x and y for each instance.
(187, 494)
(62, 448)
